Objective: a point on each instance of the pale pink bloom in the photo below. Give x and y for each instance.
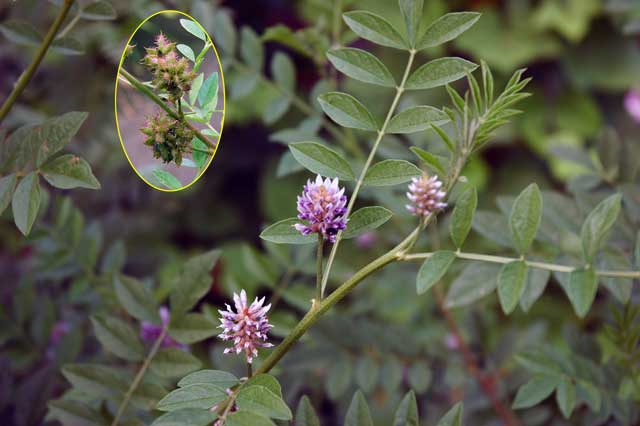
(426, 195)
(632, 104)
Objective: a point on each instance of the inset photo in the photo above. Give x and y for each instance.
(169, 100)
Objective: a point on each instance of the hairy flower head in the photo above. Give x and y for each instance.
(323, 205)
(426, 195)
(247, 327)
(171, 72)
(170, 138)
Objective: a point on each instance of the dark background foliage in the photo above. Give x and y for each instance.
(583, 56)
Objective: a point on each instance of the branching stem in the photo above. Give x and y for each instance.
(140, 375)
(155, 98)
(33, 66)
(531, 263)
(374, 149)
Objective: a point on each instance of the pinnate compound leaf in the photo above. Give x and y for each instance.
(582, 289)
(173, 362)
(407, 412)
(247, 418)
(411, 11)
(283, 232)
(319, 159)
(251, 49)
(462, 216)
(100, 10)
(186, 417)
(35, 143)
(366, 219)
(260, 400)
(535, 391)
(566, 397)
(118, 337)
(197, 395)
(597, 225)
(361, 65)
(347, 111)
(432, 161)
(194, 29)
(192, 328)
(374, 28)
(69, 171)
(475, 282)
(525, 217)
(536, 283)
(453, 416)
(284, 71)
(186, 52)
(358, 413)
(416, 119)
(447, 28)
(70, 412)
(439, 72)
(305, 413)
(25, 203)
(136, 299)
(192, 282)
(511, 282)
(433, 269)
(219, 378)
(7, 187)
(167, 179)
(20, 32)
(391, 172)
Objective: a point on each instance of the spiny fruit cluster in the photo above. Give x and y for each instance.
(171, 72)
(169, 137)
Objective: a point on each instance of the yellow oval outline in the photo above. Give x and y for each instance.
(224, 100)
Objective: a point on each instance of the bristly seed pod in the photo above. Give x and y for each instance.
(171, 72)
(426, 195)
(170, 138)
(247, 327)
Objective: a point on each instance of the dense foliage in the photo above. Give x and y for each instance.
(465, 247)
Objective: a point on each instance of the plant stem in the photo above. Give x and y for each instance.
(486, 380)
(140, 375)
(533, 264)
(31, 69)
(319, 268)
(354, 195)
(204, 151)
(155, 98)
(323, 306)
(71, 24)
(249, 370)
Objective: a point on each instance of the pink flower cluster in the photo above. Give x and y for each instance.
(323, 205)
(426, 195)
(247, 327)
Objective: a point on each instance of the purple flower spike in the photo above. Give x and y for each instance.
(632, 104)
(323, 205)
(426, 195)
(149, 331)
(247, 327)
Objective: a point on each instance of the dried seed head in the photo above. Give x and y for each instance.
(426, 195)
(323, 205)
(247, 327)
(171, 72)
(170, 138)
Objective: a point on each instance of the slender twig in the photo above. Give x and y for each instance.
(140, 375)
(249, 370)
(531, 263)
(319, 268)
(321, 307)
(155, 98)
(354, 194)
(485, 380)
(204, 151)
(31, 69)
(71, 24)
